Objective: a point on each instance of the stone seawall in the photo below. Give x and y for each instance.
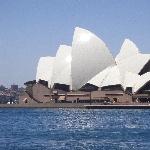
(76, 105)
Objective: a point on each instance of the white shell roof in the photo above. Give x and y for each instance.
(45, 69)
(127, 50)
(109, 76)
(133, 64)
(130, 79)
(99, 78)
(62, 66)
(89, 61)
(142, 81)
(90, 55)
(130, 59)
(113, 77)
(136, 81)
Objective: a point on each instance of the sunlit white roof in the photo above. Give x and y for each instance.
(89, 61)
(113, 77)
(45, 69)
(131, 79)
(62, 66)
(127, 50)
(136, 81)
(100, 77)
(109, 76)
(90, 55)
(133, 64)
(142, 81)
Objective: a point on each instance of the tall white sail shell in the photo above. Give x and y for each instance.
(45, 69)
(127, 50)
(90, 55)
(133, 64)
(62, 66)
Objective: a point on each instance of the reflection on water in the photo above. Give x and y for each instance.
(74, 129)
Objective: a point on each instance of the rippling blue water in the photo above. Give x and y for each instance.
(74, 129)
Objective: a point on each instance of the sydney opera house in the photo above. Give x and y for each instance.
(87, 71)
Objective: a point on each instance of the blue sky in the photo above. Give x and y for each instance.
(30, 29)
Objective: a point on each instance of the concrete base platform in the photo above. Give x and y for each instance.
(44, 105)
(76, 105)
(117, 106)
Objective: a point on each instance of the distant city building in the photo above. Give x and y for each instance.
(14, 87)
(10, 95)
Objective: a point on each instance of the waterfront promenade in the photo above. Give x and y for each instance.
(77, 105)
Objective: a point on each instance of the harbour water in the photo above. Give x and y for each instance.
(74, 129)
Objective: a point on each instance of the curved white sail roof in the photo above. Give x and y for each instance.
(133, 64)
(90, 55)
(109, 76)
(136, 81)
(89, 61)
(100, 77)
(45, 69)
(113, 77)
(127, 50)
(131, 79)
(130, 59)
(62, 66)
(142, 81)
